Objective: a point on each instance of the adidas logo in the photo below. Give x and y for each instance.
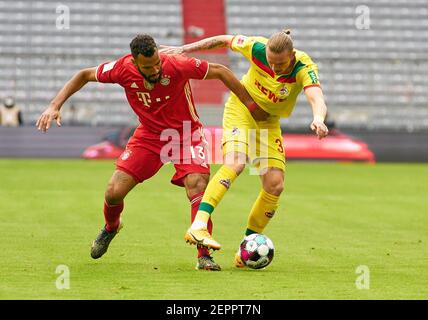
(134, 85)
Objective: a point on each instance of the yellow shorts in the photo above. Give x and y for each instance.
(261, 141)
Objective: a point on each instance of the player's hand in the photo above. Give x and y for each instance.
(319, 128)
(49, 115)
(171, 49)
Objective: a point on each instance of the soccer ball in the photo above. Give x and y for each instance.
(256, 251)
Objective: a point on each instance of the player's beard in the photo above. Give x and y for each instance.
(152, 79)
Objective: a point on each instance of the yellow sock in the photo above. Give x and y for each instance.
(262, 211)
(215, 191)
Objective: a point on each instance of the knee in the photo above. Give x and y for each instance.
(113, 195)
(274, 186)
(196, 183)
(238, 168)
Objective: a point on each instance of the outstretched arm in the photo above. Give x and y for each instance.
(220, 72)
(215, 42)
(319, 110)
(73, 85)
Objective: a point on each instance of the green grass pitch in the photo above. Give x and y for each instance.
(332, 219)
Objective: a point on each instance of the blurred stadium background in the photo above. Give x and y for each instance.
(371, 55)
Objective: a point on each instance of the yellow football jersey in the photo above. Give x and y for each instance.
(276, 94)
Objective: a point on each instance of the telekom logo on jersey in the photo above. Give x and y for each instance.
(144, 97)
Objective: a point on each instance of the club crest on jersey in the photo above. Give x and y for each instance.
(235, 131)
(165, 81)
(284, 91)
(126, 154)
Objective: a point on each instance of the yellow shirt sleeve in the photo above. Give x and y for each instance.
(308, 76)
(244, 45)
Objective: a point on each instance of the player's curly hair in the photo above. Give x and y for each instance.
(280, 41)
(143, 44)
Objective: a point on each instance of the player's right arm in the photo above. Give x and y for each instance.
(216, 42)
(52, 113)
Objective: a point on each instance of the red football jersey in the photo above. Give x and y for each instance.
(164, 105)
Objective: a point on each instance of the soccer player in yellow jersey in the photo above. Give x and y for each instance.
(278, 72)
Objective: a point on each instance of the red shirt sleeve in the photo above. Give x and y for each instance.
(191, 68)
(109, 72)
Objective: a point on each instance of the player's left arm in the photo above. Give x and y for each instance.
(77, 82)
(319, 109)
(224, 74)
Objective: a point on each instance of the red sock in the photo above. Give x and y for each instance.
(112, 215)
(195, 202)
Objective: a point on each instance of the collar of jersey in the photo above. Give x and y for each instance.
(258, 56)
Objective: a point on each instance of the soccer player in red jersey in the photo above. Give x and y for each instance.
(158, 90)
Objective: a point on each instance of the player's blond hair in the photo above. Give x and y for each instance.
(280, 41)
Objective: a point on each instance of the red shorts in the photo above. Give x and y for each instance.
(143, 157)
